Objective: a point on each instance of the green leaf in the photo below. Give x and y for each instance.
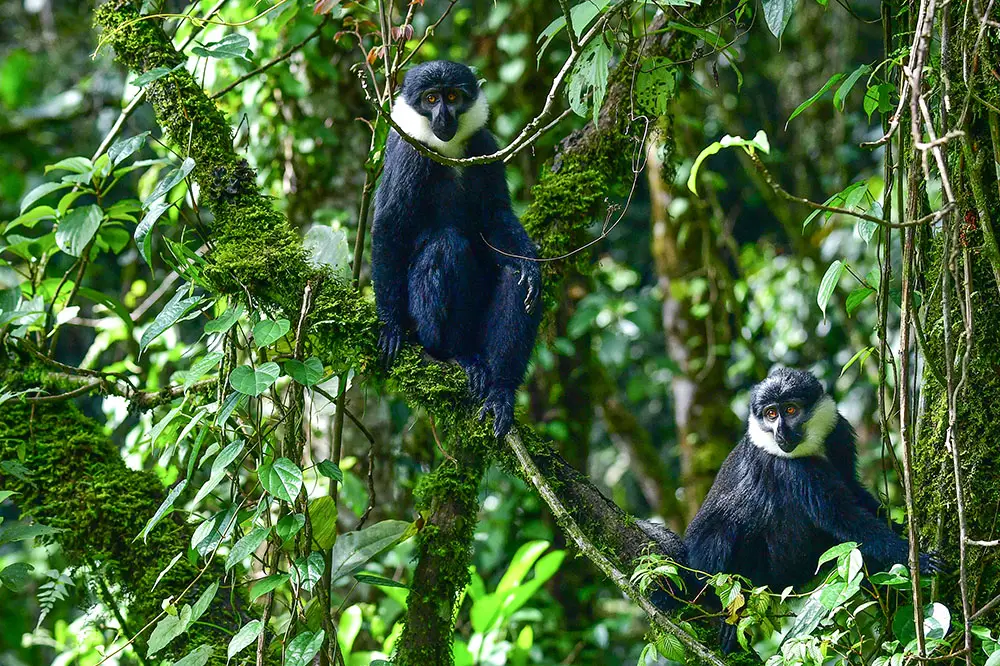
(378, 581)
(124, 148)
(142, 236)
(283, 479)
(167, 629)
(247, 545)
(828, 284)
(154, 74)
(289, 526)
(354, 549)
(581, 15)
(219, 466)
(521, 564)
(266, 584)
(167, 568)
(177, 307)
(308, 570)
(590, 75)
(22, 532)
(15, 577)
(845, 88)
(812, 100)
(323, 518)
(225, 321)
(303, 648)
(307, 373)
(835, 552)
(232, 45)
(994, 659)
(78, 165)
(857, 297)
(777, 13)
(244, 637)
(204, 601)
(171, 180)
(166, 506)
(249, 381)
(654, 85)
(331, 471)
(759, 141)
(232, 401)
(39, 192)
(77, 229)
(202, 366)
(266, 332)
(197, 657)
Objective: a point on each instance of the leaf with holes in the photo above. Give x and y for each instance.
(77, 229)
(249, 381)
(590, 76)
(283, 479)
(829, 283)
(654, 85)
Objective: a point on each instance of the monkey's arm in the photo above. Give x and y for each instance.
(391, 248)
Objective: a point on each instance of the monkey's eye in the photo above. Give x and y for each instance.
(771, 413)
(452, 96)
(791, 410)
(431, 98)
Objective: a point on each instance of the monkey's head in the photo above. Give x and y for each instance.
(790, 414)
(440, 105)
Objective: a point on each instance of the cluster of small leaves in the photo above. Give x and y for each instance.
(15, 576)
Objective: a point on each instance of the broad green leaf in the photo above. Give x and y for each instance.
(244, 637)
(22, 532)
(581, 15)
(835, 552)
(308, 570)
(77, 229)
(142, 236)
(197, 657)
(232, 45)
(5, 494)
(225, 321)
(246, 379)
(16, 576)
(521, 564)
(283, 479)
(845, 88)
(777, 13)
(654, 85)
(857, 297)
(32, 218)
(265, 585)
(154, 74)
(590, 76)
(323, 518)
(831, 82)
(307, 373)
(39, 192)
(167, 629)
(166, 506)
(378, 581)
(354, 549)
(177, 307)
(266, 332)
(994, 659)
(124, 148)
(247, 545)
(331, 471)
(303, 648)
(204, 601)
(171, 180)
(202, 366)
(219, 465)
(828, 284)
(78, 165)
(289, 526)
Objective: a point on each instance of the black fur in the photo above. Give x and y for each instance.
(435, 276)
(769, 518)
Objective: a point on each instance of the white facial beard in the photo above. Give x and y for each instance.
(819, 426)
(419, 127)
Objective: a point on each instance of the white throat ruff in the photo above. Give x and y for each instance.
(820, 424)
(419, 127)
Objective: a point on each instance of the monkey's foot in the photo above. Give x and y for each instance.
(931, 563)
(390, 339)
(501, 404)
(478, 375)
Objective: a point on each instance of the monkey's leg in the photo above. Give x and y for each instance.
(508, 338)
(438, 292)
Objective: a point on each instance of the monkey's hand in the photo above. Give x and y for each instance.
(390, 339)
(501, 404)
(931, 563)
(531, 277)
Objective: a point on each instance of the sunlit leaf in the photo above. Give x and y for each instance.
(77, 229)
(283, 479)
(828, 284)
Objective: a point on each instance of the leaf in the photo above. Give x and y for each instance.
(247, 545)
(307, 373)
(78, 165)
(828, 284)
(243, 638)
(171, 180)
(521, 564)
(861, 356)
(845, 88)
(77, 229)
(142, 237)
(283, 479)
(202, 366)
(289, 526)
(154, 74)
(225, 321)
(266, 332)
(167, 568)
(16, 576)
(204, 601)
(759, 141)
(303, 648)
(39, 192)
(232, 45)
(308, 570)
(197, 657)
(323, 518)
(22, 532)
(866, 229)
(232, 401)
(166, 506)
(331, 471)
(857, 297)
(219, 465)
(177, 307)
(654, 85)
(167, 629)
(994, 659)
(249, 381)
(328, 247)
(265, 585)
(831, 82)
(354, 549)
(590, 75)
(124, 148)
(581, 15)
(777, 13)
(379, 581)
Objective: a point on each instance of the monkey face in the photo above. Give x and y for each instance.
(785, 421)
(791, 415)
(443, 106)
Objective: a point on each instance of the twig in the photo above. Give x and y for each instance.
(565, 519)
(569, 26)
(427, 33)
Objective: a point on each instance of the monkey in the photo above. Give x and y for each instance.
(788, 492)
(452, 266)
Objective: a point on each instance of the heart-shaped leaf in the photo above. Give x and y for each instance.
(197, 657)
(308, 570)
(331, 471)
(283, 479)
(307, 373)
(254, 382)
(266, 331)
